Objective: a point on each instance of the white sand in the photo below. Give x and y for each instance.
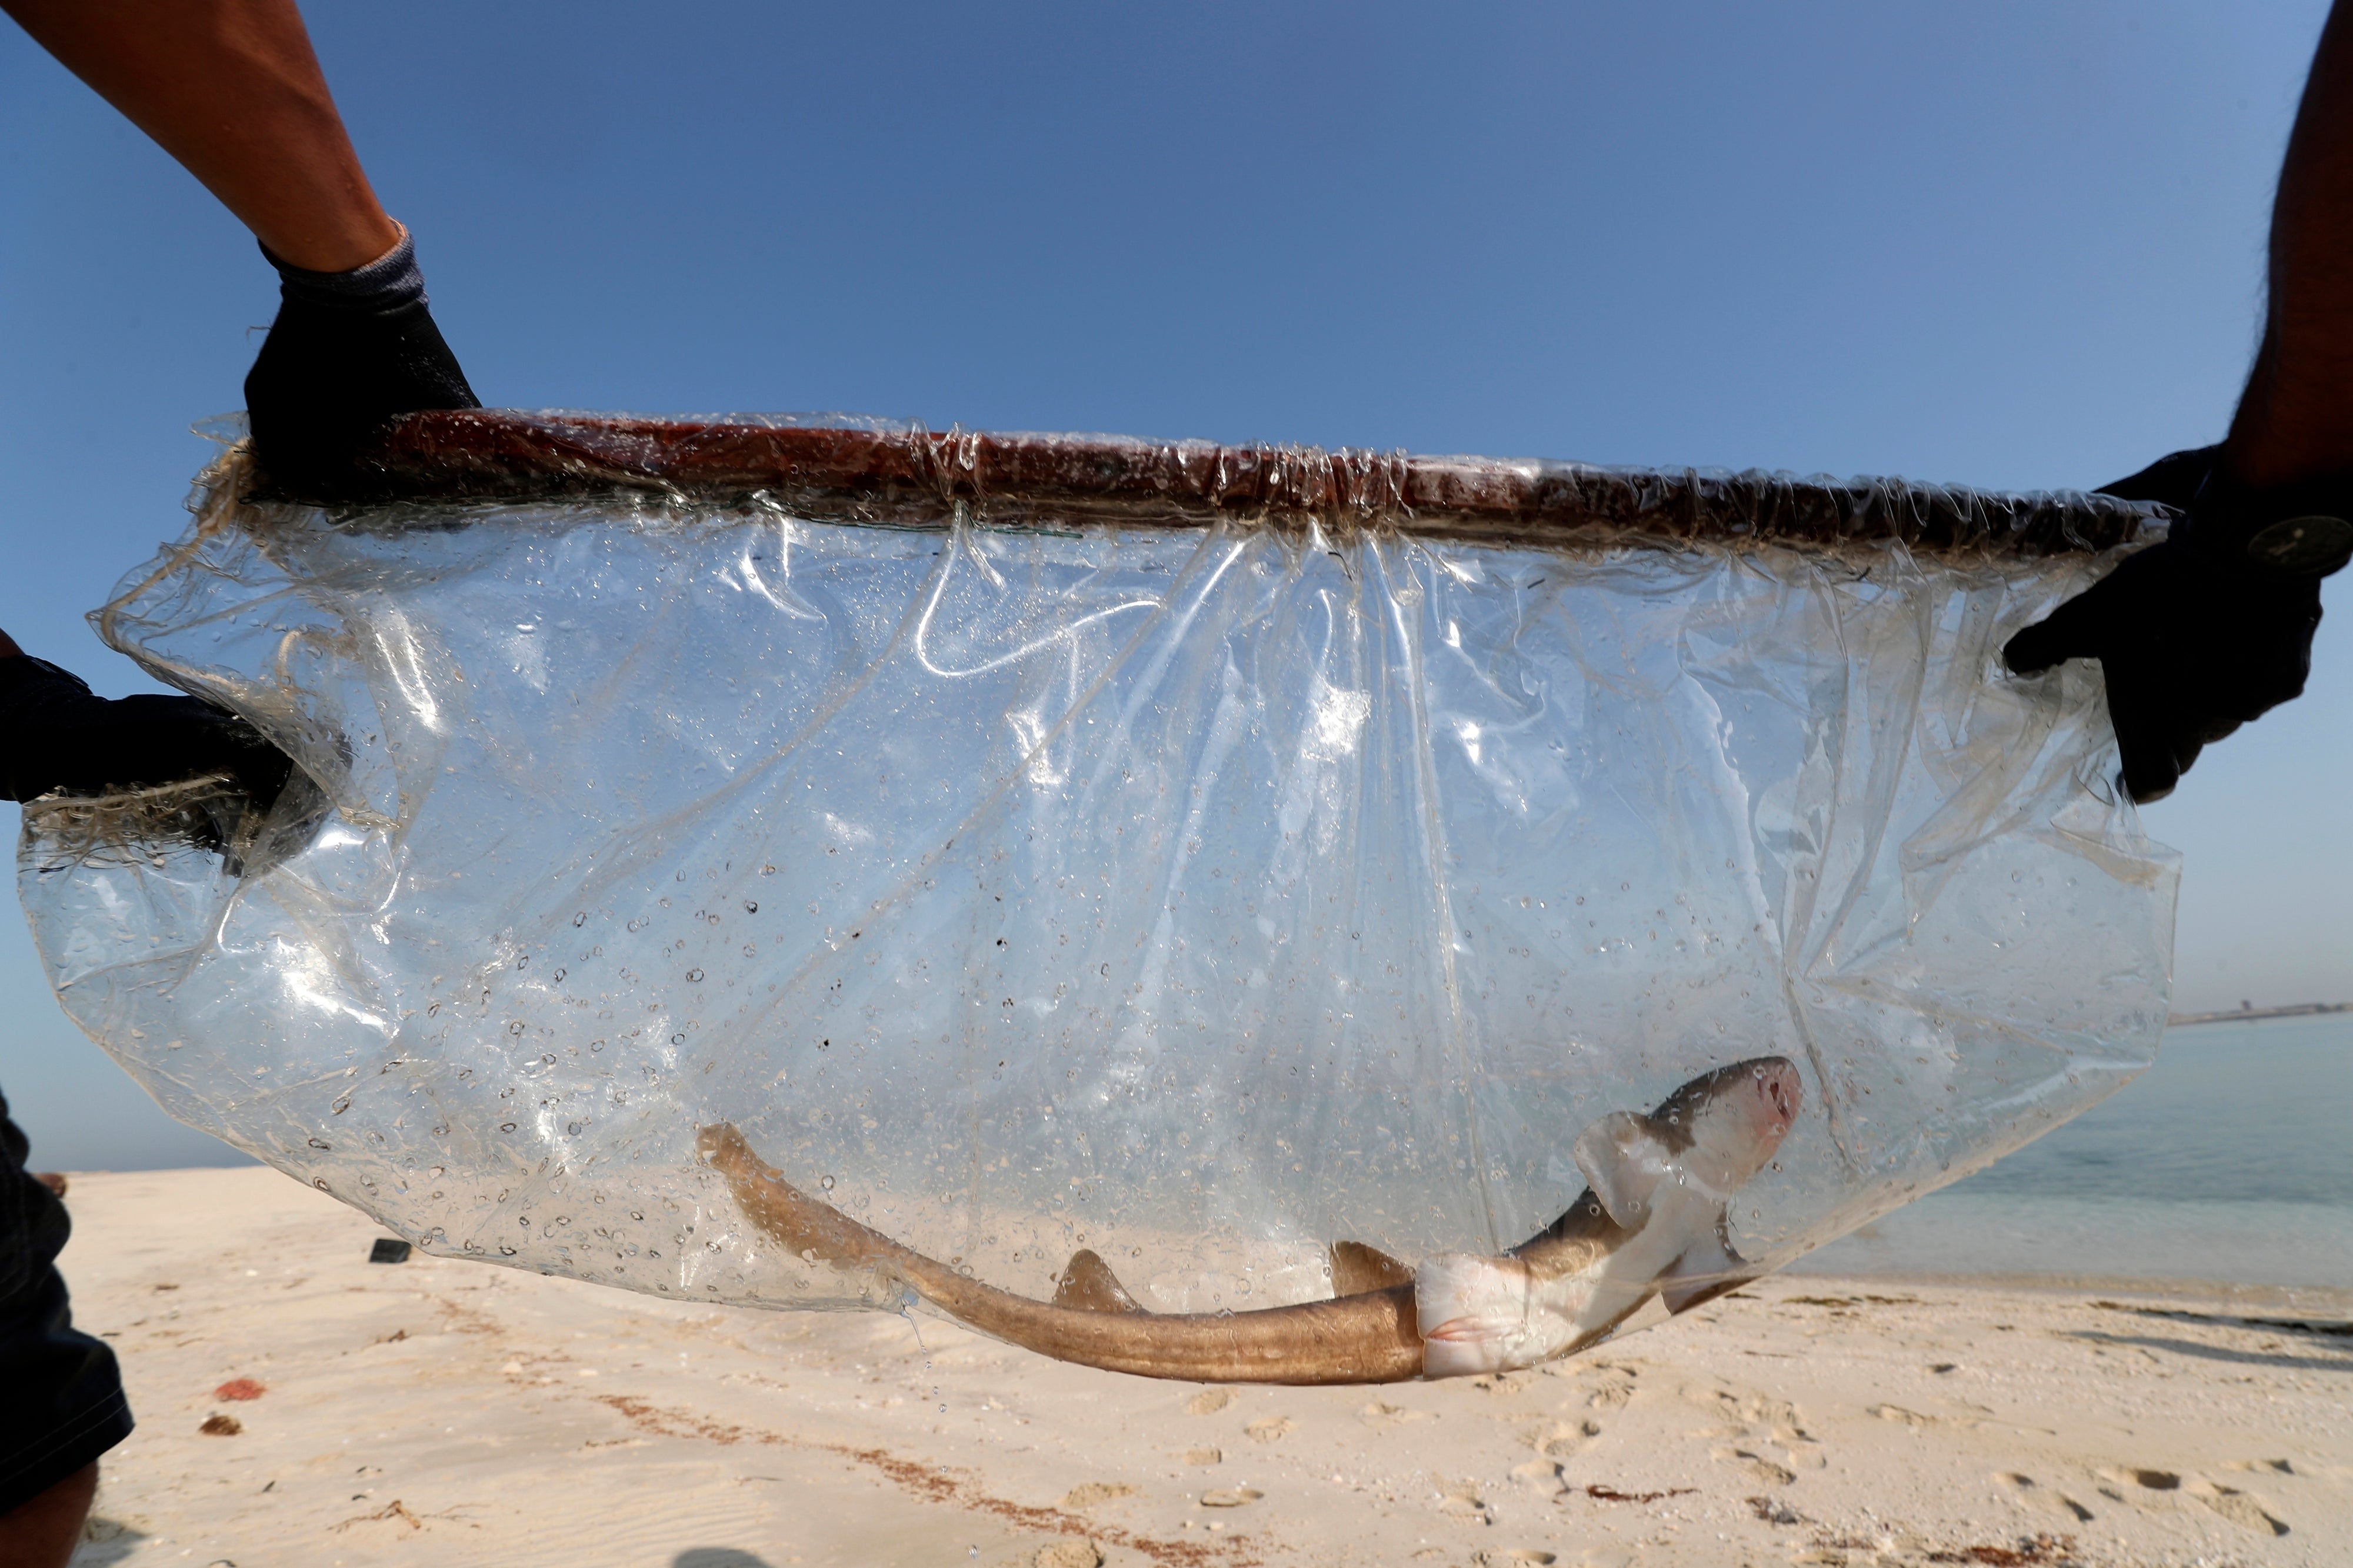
(441, 1413)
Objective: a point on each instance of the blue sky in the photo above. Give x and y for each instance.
(2009, 245)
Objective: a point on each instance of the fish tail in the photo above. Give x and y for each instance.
(811, 1229)
(1369, 1338)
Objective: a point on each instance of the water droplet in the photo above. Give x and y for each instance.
(827, 1182)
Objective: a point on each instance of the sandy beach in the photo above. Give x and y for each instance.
(298, 1404)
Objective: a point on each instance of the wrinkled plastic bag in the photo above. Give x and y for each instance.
(1197, 895)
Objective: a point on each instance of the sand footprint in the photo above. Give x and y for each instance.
(1755, 1466)
(1209, 1401)
(1760, 1411)
(1382, 1411)
(1562, 1440)
(1067, 1555)
(1801, 1447)
(2146, 1479)
(1270, 1429)
(1567, 1439)
(1617, 1388)
(1545, 1475)
(2043, 1498)
(2237, 1507)
(1088, 1494)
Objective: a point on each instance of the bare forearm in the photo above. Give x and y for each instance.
(2295, 420)
(232, 89)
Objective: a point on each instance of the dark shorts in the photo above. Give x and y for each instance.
(61, 1401)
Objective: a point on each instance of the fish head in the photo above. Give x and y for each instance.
(1735, 1117)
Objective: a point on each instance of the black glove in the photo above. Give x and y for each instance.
(348, 352)
(2208, 629)
(55, 735)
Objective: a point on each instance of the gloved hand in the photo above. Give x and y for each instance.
(2208, 629)
(55, 736)
(348, 352)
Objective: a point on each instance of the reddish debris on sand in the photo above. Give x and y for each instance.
(239, 1388)
(2030, 1551)
(221, 1427)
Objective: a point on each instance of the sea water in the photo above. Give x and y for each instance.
(2230, 1159)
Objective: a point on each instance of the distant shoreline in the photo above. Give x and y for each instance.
(2300, 1010)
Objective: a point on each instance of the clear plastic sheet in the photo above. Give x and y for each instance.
(1199, 895)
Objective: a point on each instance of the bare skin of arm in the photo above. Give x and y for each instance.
(232, 89)
(2294, 421)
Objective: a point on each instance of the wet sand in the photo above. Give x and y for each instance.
(440, 1412)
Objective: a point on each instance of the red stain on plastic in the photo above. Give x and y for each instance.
(239, 1388)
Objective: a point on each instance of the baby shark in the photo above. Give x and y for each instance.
(1653, 1222)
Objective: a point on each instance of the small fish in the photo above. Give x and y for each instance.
(1652, 1221)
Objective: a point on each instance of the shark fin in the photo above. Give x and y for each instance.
(1706, 1270)
(1624, 1159)
(1359, 1270)
(1089, 1286)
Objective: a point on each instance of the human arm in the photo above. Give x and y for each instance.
(232, 89)
(2294, 421)
(2213, 627)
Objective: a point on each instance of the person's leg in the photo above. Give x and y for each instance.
(43, 1531)
(61, 1403)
